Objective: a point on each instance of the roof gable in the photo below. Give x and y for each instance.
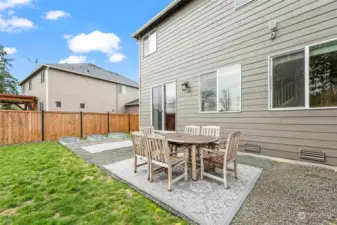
(167, 11)
(89, 70)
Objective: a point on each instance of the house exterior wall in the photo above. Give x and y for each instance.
(132, 109)
(204, 36)
(72, 90)
(130, 95)
(38, 89)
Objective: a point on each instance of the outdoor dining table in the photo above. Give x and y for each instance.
(192, 141)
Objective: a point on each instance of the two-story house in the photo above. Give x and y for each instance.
(265, 68)
(79, 87)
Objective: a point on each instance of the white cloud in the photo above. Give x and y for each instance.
(117, 57)
(10, 51)
(8, 4)
(15, 24)
(67, 36)
(55, 15)
(74, 59)
(96, 41)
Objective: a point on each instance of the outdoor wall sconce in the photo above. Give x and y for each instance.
(185, 86)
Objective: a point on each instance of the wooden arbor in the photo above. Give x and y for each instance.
(28, 102)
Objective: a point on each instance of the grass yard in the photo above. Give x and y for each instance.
(47, 184)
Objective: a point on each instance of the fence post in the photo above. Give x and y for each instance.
(108, 122)
(129, 123)
(81, 119)
(42, 125)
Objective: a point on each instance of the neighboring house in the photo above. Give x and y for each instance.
(265, 68)
(79, 87)
(132, 107)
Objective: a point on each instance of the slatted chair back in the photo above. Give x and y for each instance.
(147, 130)
(158, 149)
(213, 131)
(193, 130)
(232, 146)
(138, 142)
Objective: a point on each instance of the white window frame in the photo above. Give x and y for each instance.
(43, 76)
(148, 36)
(217, 92)
(30, 85)
(306, 49)
(163, 105)
(123, 88)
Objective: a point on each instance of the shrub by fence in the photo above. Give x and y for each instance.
(29, 126)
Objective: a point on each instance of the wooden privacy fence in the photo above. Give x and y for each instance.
(27, 126)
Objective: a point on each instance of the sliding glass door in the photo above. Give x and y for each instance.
(164, 107)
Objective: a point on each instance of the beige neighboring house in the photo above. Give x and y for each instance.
(79, 87)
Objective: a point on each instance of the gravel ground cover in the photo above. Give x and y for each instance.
(285, 193)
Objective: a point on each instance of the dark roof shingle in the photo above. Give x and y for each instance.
(89, 70)
(94, 71)
(134, 102)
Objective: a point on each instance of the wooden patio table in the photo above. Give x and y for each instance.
(191, 141)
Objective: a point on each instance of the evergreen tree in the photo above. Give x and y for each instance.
(8, 83)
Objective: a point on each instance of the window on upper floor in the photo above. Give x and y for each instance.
(23, 88)
(306, 78)
(122, 89)
(220, 91)
(150, 43)
(30, 84)
(42, 77)
(239, 3)
(82, 105)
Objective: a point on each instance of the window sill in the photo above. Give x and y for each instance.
(145, 56)
(163, 131)
(241, 6)
(220, 112)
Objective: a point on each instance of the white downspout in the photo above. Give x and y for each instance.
(47, 87)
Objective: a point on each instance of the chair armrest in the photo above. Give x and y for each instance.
(213, 150)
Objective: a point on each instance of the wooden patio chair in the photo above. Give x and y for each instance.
(221, 158)
(213, 131)
(147, 130)
(190, 129)
(159, 154)
(139, 150)
(193, 130)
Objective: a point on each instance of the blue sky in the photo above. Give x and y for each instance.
(53, 30)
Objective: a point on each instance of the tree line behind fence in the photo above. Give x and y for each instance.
(28, 126)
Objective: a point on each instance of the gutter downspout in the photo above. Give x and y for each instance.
(140, 78)
(47, 88)
(117, 86)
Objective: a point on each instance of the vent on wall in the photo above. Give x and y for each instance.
(252, 148)
(312, 155)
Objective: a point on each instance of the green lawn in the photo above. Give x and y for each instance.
(47, 184)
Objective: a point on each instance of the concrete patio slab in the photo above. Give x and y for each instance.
(204, 201)
(285, 193)
(107, 146)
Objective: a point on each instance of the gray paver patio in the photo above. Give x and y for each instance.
(284, 194)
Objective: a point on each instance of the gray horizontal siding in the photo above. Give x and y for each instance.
(207, 35)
